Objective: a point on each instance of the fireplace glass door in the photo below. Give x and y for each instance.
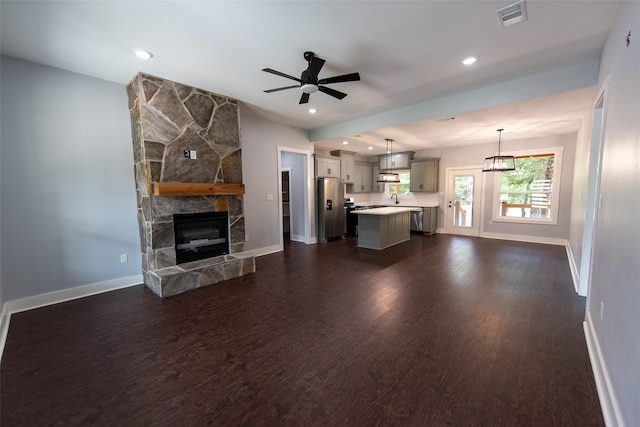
(202, 235)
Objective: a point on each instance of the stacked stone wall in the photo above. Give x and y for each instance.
(167, 119)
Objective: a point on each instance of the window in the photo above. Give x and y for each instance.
(403, 187)
(529, 193)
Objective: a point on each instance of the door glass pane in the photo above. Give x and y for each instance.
(463, 201)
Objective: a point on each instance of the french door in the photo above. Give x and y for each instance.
(462, 201)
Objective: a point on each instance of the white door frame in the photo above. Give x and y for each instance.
(478, 201)
(594, 174)
(308, 198)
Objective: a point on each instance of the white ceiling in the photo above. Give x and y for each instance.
(406, 53)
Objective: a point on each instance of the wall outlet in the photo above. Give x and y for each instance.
(124, 258)
(246, 237)
(269, 196)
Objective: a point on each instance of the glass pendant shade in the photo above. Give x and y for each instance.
(499, 163)
(386, 175)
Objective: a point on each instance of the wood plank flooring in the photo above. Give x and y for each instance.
(438, 331)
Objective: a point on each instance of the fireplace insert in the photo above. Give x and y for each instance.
(201, 235)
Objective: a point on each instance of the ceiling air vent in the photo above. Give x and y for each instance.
(512, 14)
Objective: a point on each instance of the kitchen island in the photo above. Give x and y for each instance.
(380, 228)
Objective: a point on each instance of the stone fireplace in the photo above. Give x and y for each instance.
(187, 154)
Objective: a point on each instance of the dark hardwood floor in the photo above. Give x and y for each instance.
(441, 330)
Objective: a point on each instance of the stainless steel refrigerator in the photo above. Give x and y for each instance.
(330, 208)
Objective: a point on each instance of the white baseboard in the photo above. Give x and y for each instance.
(4, 327)
(608, 402)
(264, 251)
(524, 238)
(297, 238)
(36, 301)
(575, 273)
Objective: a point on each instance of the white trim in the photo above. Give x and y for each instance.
(575, 273)
(42, 300)
(524, 238)
(555, 190)
(308, 197)
(478, 201)
(4, 327)
(594, 174)
(608, 402)
(297, 238)
(50, 298)
(264, 251)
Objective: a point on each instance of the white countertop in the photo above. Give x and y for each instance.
(401, 205)
(389, 210)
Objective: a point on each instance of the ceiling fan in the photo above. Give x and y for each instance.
(309, 82)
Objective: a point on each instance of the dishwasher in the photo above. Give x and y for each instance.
(424, 221)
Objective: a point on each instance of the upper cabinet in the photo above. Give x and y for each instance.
(396, 160)
(348, 168)
(363, 178)
(424, 175)
(327, 166)
(376, 187)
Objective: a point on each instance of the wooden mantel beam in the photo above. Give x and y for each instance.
(196, 189)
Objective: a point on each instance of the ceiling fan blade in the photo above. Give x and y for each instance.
(353, 77)
(315, 65)
(278, 73)
(332, 92)
(304, 98)
(281, 88)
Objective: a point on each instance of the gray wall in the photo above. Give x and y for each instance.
(616, 270)
(68, 196)
(260, 141)
(472, 156)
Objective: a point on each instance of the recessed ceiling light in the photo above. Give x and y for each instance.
(470, 60)
(345, 142)
(369, 148)
(143, 54)
(312, 110)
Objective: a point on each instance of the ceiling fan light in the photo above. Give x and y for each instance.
(309, 88)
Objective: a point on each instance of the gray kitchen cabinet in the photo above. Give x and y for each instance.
(327, 166)
(363, 182)
(348, 165)
(376, 187)
(396, 160)
(424, 175)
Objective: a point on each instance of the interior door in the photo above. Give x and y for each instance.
(462, 198)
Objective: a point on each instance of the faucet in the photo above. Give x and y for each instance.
(395, 194)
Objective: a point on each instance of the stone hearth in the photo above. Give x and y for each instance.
(167, 119)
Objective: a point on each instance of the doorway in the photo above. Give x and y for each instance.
(463, 197)
(294, 204)
(593, 190)
(286, 203)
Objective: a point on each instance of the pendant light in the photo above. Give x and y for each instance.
(386, 175)
(499, 163)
